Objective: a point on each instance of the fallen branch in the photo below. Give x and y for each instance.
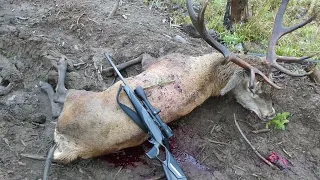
(109, 71)
(114, 10)
(252, 147)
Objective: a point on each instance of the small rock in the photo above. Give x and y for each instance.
(179, 39)
(164, 20)
(124, 16)
(239, 47)
(21, 163)
(52, 77)
(76, 47)
(38, 118)
(11, 98)
(161, 52)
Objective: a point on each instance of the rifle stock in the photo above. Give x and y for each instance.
(171, 168)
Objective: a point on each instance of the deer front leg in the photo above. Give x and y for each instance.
(61, 91)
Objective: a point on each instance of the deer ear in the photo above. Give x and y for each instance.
(233, 82)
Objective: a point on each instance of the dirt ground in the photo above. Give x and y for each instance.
(34, 34)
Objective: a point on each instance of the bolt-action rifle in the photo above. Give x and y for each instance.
(147, 118)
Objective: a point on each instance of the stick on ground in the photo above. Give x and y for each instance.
(114, 10)
(252, 147)
(109, 71)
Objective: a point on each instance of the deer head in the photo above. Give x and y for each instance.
(247, 89)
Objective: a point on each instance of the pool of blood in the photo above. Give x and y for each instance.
(126, 157)
(130, 156)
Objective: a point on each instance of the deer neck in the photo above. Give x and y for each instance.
(212, 73)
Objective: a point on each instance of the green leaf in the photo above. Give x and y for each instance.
(279, 121)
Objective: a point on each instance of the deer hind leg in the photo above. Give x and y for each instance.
(61, 91)
(57, 98)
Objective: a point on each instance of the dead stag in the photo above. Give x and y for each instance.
(91, 123)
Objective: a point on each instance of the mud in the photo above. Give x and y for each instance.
(34, 35)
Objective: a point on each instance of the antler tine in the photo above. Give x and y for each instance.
(192, 14)
(293, 59)
(252, 71)
(278, 31)
(198, 22)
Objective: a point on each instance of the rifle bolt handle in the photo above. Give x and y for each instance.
(156, 111)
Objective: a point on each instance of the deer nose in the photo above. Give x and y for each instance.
(270, 115)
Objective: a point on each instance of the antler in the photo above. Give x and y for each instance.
(278, 31)
(198, 22)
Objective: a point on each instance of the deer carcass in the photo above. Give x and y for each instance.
(92, 124)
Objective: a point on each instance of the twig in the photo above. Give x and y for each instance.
(213, 129)
(202, 149)
(58, 13)
(7, 142)
(158, 177)
(93, 21)
(117, 172)
(79, 64)
(286, 153)
(22, 18)
(216, 142)
(260, 131)
(255, 175)
(109, 71)
(33, 156)
(239, 168)
(202, 161)
(23, 143)
(79, 18)
(98, 71)
(252, 147)
(114, 10)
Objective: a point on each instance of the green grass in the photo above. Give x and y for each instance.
(279, 122)
(258, 29)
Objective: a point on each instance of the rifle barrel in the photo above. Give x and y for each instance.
(115, 68)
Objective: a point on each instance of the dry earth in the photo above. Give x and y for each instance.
(34, 34)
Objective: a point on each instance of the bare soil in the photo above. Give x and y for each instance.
(34, 34)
